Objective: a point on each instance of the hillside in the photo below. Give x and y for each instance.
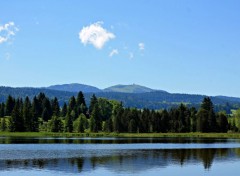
(133, 88)
(74, 87)
(151, 100)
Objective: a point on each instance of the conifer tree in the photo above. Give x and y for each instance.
(69, 123)
(55, 107)
(64, 110)
(9, 105)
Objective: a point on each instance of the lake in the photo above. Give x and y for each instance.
(119, 156)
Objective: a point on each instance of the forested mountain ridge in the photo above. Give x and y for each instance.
(74, 87)
(151, 100)
(133, 88)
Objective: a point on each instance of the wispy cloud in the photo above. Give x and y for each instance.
(113, 52)
(141, 46)
(7, 31)
(96, 35)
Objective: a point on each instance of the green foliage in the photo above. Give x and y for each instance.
(3, 126)
(64, 110)
(206, 118)
(2, 109)
(95, 119)
(69, 123)
(55, 107)
(55, 124)
(16, 123)
(222, 122)
(81, 123)
(81, 104)
(71, 104)
(151, 100)
(93, 101)
(132, 126)
(110, 116)
(9, 105)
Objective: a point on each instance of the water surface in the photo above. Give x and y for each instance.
(119, 156)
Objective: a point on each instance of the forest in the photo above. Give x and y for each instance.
(102, 115)
(151, 100)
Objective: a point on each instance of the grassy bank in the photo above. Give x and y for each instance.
(127, 135)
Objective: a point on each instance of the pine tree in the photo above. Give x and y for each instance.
(27, 115)
(9, 105)
(45, 115)
(16, 123)
(132, 126)
(207, 105)
(81, 123)
(69, 123)
(2, 110)
(95, 119)
(93, 101)
(64, 110)
(80, 99)
(55, 124)
(36, 107)
(222, 122)
(71, 104)
(55, 107)
(81, 104)
(164, 121)
(47, 107)
(202, 121)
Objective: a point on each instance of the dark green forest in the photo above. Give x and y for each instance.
(152, 100)
(103, 115)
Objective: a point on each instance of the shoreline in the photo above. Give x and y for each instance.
(122, 135)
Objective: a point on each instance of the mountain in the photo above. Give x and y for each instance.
(133, 88)
(152, 100)
(230, 99)
(75, 87)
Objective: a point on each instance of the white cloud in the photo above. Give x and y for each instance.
(113, 52)
(131, 55)
(95, 34)
(7, 31)
(141, 46)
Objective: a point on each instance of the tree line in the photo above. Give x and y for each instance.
(103, 115)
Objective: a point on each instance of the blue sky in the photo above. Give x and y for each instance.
(180, 46)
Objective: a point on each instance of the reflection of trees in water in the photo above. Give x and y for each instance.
(55, 140)
(207, 157)
(131, 159)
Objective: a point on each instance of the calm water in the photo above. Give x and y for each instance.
(119, 156)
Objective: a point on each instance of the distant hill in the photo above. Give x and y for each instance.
(75, 87)
(133, 88)
(230, 99)
(152, 100)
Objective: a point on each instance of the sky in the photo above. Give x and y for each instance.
(181, 46)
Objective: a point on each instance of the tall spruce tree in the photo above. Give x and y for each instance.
(47, 111)
(81, 104)
(93, 101)
(55, 107)
(16, 123)
(64, 110)
(207, 105)
(27, 114)
(69, 123)
(55, 124)
(2, 110)
(9, 105)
